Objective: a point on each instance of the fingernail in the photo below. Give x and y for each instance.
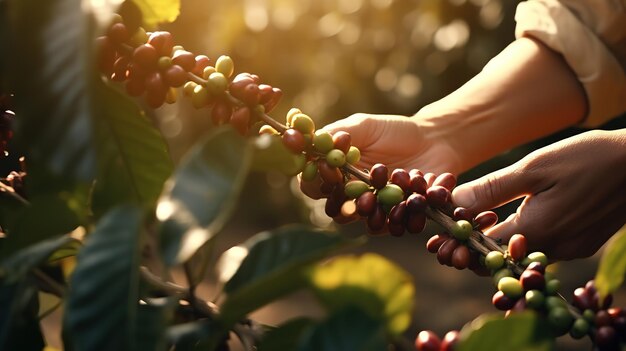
(463, 196)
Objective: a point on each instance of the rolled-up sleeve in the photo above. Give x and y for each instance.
(591, 36)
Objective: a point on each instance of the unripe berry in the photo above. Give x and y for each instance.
(225, 65)
(560, 319)
(342, 141)
(290, 114)
(200, 97)
(553, 286)
(534, 299)
(207, 71)
(390, 195)
(462, 230)
(511, 287)
(322, 141)
(172, 96)
(303, 123)
(139, 37)
(217, 83)
(355, 188)
(310, 172)
(538, 257)
(494, 260)
(336, 158)
(353, 156)
(379, 175)
(579, 329)
(501, 273)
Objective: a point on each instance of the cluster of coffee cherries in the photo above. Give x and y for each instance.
(151, 66)
(6, 122)
(605, 325)
(427, 340)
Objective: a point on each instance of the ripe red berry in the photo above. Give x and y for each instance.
(485, 220)
(221, 112)
(532, 280)
(342, 141)
(201, 62)
(294, 140)
(449, 340)
(427, 341)
(437, 196)
(446, 180)
(435, 242)
(397, 213)
(366, 204)
(184, 59)
(415, 223)
(118, 33)
(517, 247)
(376, 221)
(175, 76)
(250, 94)
(461, 257)
(444, 254)
(329, 174)
(379, 175)
(502, 302)
(162, 42)
(146, 56)
(240, 120)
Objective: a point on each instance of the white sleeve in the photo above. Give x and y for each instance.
(591, 36)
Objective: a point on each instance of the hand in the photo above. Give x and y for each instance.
(396, 141)
(575, 195)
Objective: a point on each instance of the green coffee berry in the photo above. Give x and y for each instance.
(501, 273)
(390, 195)
(534, 299)
(310, 171)
(225, 65)
(589, 315)
(462, 230)
(511, 287)
(336, 158)
(560, 319)
(323, 141)
(356, 188)
(354, 155)
(303, 123)
(553, 286)
(580, 328)
(538, 257)
(553, 302)
(494, 260)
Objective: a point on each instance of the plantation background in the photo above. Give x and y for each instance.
(333, 58)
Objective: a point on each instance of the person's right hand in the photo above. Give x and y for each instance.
(396, 141)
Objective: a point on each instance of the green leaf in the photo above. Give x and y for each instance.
(286, 337)
(152, 322)
(19, 325)
(201, 195)
(356, 281)
(346, 329)
(271, 264)
(186, 336)
(524, 332)
(51, 70)
(133, 160)
(612, 268)
(16, 267)
(158, 11)
(270, 154)
(102, 303)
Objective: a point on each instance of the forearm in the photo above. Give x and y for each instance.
(524, 93)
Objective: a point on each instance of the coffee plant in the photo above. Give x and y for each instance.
(94, 212)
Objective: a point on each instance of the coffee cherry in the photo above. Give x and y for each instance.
(416, 203)
(221, 111)
(449, 340)
(537, 257)
(397, 213)
(353, 156)
(379, 175)
(579, 329)
(265, 94)
(494, 260)
(430, 178)
(415, 223)
(390, 195)
(560, 319)
(366, 204)
(605, 337)
(581, 299)
(517, 247)
(342, 141)
(401, 178)
(207, 71)
(172, 96)
(106, 54)
(534, 299)
(303, 123)
(427, 340)
(162, 42)
(502, 302)
(435, 242)
(532, 280)
(462, 213)
(155, 85)
(537, 266)
(225, 65)
(146, 56)
(511, 287)
(329, 174)
(322, 141)
(201, 62)
(184, 59)
(201, 97)
(444, 254)
(485, 220)
(175, 76)
(118, 33)
(446, 180)
(217, 83)
(602, 318)
(462, 230)
(139, 37)
(155, 98)
(355, 188)
(376, 221)
(135, 87)
(501, 273)
(164, 63)
(309, 172)
(290, 114)
(294, 141)
(277, 94)
(437, 196)
(461, 257)
(240, 120)
(335, 202)
(336, 158)
(251, 95)
(418, 184)
(552, 286)
(395, 229)
(555, 302)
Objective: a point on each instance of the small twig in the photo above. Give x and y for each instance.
(6, 189)
(50, 284)
(168, 287)
(51, 310)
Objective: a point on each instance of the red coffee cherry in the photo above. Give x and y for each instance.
(265, 93)
(201, 62)
(461, 257)
(427, 340)
(376, 222)
(517, 247)
(146, 56)
(581, 299)
(162, 42)
(184, 59)
(537, 266)
(401, 178)
(175, 76)
(418, 183)
(379, 175)
(415, 223)
(462, 213)
(221, 112)
(416, 203)
(106, 54)
(430, 178)
(366, 204)
(485, 220)
(435, 242)
(343, 141)
(444, 254)
(532, 280)
(250, 95)
(602, 318)
(240, 120)
(396, 229)
(449, 340)
(118, 33)
(446, 180)
(294, 140)
(397, 213)
(329, 174)
(502, 302)
(277, 94)
(437, 196)
(605, 337)
(335, 202)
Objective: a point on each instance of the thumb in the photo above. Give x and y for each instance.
(493, 190)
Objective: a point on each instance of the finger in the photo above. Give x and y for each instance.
(495, 189)
(311, 188)
(357, 125)
(504, 230)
